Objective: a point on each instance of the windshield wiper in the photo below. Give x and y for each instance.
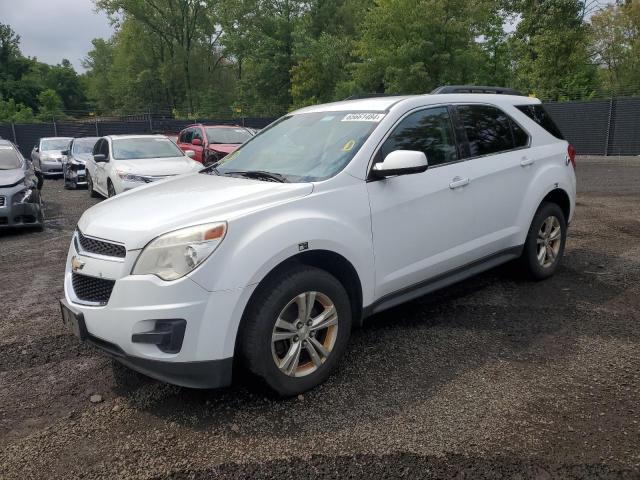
(211, 169)
(260, 175)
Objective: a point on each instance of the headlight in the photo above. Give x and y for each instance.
(24, 196)
(174, 254)
(127, 177)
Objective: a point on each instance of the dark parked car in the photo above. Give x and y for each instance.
(74, 160)
(20, 200)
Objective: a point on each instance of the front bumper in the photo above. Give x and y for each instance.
(76, 174)
(51, 167)
(14, 213)
(138, 303)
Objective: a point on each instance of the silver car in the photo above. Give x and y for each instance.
(47, 155)
(20, 200)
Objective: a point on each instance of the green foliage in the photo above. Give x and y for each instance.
(616, 44)
(23, 80)
(552, 50)
(224, 58)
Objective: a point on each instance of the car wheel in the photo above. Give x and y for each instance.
(545, 242)
(211, 159)
(296, 329)
(92, 192)
(110, 190)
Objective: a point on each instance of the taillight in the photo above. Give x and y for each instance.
(571, 155)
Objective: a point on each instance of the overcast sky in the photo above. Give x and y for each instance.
(55, 29)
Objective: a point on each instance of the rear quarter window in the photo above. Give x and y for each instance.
(538, 114)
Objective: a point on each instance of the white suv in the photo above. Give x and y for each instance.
(331, 214)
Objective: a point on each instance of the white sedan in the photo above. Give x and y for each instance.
(122, 162)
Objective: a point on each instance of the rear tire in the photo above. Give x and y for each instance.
(92, 192)
(313, 351)
(544, 246)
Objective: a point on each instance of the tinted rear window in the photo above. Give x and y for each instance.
(538, 114)
(488, 129)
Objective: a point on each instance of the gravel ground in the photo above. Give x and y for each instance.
(493, 378)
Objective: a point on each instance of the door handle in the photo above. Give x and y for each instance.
(525, 162)
(458, 182)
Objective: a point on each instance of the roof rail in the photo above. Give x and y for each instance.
(476, 89)
(361, 96)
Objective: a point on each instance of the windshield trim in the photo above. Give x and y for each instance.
(293, 178)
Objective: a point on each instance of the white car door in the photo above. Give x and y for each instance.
(102, 167)
(421, 222)
(500, 167)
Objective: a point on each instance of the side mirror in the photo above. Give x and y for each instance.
(190, 153)
(99, 157)
(401, 162)
(36, 148)
(196, 141)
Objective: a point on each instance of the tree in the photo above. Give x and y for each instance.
(412, 46)
(552, 55)
(615, 33)
(177, 24)
(49, 105)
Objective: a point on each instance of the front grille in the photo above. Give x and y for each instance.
(100, 247)
(1, 201)
(92, 289)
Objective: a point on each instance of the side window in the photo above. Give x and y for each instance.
(104, 148)
(520, 137)
(196, 134)
(428, 131)
(538, 114)
(186, 136)
(97, 146)
(488, 129)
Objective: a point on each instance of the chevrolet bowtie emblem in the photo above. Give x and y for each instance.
(76, 264)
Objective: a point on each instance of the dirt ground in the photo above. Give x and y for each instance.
(494, 378)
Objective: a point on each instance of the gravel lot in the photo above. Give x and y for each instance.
(496, 377)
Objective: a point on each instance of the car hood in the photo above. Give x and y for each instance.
(10, 177)
(83, 157)
(158, 166)
(137, 216)
(224, 147)
(51, 153)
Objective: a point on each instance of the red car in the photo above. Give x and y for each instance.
(212, 142)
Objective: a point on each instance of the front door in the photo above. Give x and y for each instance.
(422, 222)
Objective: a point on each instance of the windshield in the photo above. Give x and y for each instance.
(140, 148)
(227, 135)
(84, 145)
(9, 159)
(307, 147)
(54, 143)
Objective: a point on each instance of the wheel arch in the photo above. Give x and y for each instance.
(327, 260)
(561, 198)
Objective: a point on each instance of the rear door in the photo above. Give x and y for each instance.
(500, 166)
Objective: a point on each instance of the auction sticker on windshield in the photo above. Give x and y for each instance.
(363, 117)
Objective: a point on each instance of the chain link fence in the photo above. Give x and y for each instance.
(594, 127)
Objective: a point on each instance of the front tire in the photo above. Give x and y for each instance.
(296, 329)
(111, 191)
(544, 246)
(92, 192)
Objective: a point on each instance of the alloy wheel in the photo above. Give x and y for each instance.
(549, 241)
(304, 334)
